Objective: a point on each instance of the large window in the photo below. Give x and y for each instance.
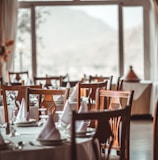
(133, 40)
(80, 39)
(23, 52)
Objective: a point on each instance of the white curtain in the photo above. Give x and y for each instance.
(8, 24)
(154, 52)
(154, 39)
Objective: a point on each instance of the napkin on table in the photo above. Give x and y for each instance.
(50, 131)
(65, 116)
(73, 95)
(68, 85)
(81, 126)
(22, 115)
(59, 98)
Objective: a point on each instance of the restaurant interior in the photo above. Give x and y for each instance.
(79, 79)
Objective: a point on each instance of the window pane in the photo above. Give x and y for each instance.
(77, 40)
(133, 40)
(22, 57)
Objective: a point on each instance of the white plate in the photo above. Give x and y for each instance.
(90, 132)
(29, 123)
(6, 145)
(51, 142)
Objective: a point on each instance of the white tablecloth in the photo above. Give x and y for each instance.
(59, 152)
(142, 96)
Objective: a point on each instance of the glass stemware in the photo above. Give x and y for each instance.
(43, 116)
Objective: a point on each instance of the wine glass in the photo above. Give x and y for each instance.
(43, 116)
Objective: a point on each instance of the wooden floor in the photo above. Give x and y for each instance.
(141, 140)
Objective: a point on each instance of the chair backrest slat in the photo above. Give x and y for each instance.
(111, 100)
(21, 93)
(46, 97)
(89, 90)
(103, 129)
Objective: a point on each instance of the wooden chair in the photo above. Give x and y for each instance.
(119, 85)
(72, 83)
(89, 90)
(103, 132)
(18, 92)
(47, 81)
(101, 79)
(46, 98)
(111, 100)
(17, 78)
(155, 133)
(1, 80)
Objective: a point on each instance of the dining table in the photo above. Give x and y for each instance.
(24, 145)
(23, 142)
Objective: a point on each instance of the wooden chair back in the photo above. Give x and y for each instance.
(1, 80)
(18, 91)
(46, 98)
(17, 78)
(48, 81)
(102, 79)
(111, 100)
(119, 84)
(103, 132)
(72, 83)
(155, 132)
(88, 90)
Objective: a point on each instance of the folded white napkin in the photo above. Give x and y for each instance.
(22, 115)
(50, 131)
(81, 126)
(68, 85)
(73, 95)
(55, 84)
(83, 107)
(1, 139)
(65, 116)
(59, 98)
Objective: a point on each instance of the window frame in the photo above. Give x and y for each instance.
(121, 4)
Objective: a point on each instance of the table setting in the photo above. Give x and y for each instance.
(26, 137)
(40, 142)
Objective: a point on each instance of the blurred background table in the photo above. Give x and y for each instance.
(142, 98)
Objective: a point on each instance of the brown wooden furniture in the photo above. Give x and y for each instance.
(72, 83)
(88, 90)
(49, 81)
(1, 80)
(119, 84)
(111, 100)
(155, 133)
(144, 97)
(103, 132)
(18, 92)
(17, 78)
(102, 79)
(46, 97)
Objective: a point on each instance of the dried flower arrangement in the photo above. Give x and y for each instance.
(5, 50)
